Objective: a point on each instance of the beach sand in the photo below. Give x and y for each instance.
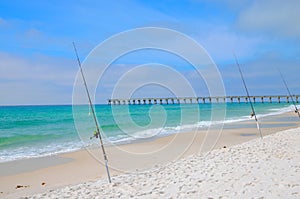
(178, 166)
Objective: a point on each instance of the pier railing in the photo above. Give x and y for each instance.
(197, 100)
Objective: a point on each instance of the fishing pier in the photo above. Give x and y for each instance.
(198, 100)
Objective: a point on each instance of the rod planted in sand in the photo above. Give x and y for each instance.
(253, 111)
(98, 134)
(287, 88)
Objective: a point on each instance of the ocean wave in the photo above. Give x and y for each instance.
(165, 131)
(26, 152)
(278, 111)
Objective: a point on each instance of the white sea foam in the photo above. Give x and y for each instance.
(278, 111)
(26, 152)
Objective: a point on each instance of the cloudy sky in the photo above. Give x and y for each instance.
(38, 65)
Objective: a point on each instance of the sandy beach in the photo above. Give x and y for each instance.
(238, 165)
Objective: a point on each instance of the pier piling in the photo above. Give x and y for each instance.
(199, 100)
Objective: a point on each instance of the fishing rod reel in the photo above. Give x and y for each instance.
(95, 135)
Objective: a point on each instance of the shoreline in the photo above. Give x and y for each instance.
(127, 158)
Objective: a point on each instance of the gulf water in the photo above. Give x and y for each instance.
(33, 131)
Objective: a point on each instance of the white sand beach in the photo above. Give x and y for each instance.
(260, 168)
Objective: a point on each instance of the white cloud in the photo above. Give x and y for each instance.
(221, 42)
(44, 68)
(262, 76)
(273, 16)
(43, 80)
(153, 74)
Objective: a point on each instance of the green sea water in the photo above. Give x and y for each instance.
(34, 131)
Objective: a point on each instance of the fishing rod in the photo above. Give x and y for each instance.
(97, 133)
(287, 88)
(252, 107)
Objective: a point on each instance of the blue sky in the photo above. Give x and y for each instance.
(38, 65)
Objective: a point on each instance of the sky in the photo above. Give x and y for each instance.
(38, 64)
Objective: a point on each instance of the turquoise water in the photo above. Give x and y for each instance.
(33, 131)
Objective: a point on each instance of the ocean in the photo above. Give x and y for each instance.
(35, 131)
